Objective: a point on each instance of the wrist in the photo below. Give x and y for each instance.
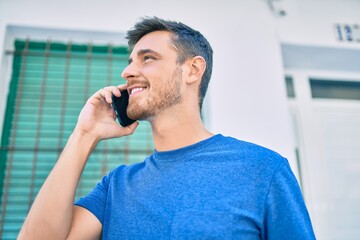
(85, 138)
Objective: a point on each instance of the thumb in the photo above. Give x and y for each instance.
(129, 129)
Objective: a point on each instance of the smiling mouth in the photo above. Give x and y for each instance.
(136, 90)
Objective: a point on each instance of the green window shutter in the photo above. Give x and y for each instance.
(50, 84)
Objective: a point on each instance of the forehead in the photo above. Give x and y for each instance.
(158, 41)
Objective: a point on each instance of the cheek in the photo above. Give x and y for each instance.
(158, 72)
(159, 81)
(155, 76)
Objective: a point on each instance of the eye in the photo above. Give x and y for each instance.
(148, 57)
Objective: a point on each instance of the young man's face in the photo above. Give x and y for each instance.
(153, 76)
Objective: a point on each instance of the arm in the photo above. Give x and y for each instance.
(286, 215)
(53, 215)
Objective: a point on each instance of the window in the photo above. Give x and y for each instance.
(335, 89)
(326, 117)
(290, 87)
(50, 83)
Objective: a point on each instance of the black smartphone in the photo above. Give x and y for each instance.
(119, 104)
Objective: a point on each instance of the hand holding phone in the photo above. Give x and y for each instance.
(119, 104)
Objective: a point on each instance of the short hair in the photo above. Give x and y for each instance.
(188, 42)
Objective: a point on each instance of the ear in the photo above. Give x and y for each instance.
(197, 66)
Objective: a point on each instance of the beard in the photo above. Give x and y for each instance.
(165, 96)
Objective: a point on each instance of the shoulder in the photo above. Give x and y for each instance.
(249, 152)
(124, 171)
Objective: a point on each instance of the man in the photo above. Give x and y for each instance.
(196, 185)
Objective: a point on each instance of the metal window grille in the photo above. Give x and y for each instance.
(49, 86)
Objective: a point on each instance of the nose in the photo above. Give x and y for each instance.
(130, 72)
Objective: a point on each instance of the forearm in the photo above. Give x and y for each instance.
(50, 216)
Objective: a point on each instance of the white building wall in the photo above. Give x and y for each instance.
(246, 96)
(330, 193)
(311, 22)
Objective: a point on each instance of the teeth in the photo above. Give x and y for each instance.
(138, 89)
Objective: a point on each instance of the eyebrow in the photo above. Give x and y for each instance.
(142, 52)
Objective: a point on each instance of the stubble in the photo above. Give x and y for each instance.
(160, 99)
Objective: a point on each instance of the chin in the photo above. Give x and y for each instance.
(137, 113)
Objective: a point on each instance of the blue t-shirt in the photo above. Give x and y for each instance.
(219, 188)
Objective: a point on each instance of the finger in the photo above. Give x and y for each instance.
(130, 129)
(107, 93)
(122, 86)
(116, 91)
(97, 95)
(114, 114)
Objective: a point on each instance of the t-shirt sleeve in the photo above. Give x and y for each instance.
(286, 215)
(95, 201)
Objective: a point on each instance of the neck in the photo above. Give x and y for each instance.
(177, 129)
